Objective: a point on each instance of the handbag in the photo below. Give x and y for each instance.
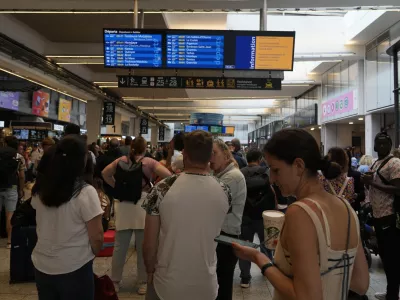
(104, 288)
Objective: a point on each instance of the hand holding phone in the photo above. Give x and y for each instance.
(227, 240)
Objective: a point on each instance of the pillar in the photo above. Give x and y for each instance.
(154, 135)
(336, 135)
(134, 126)
(93, 119)
(135, 13)
(372, 127)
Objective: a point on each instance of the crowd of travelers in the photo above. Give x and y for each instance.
(176, 198)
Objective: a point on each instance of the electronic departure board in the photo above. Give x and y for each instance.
(133, 49)
(199, 49)
(195, 51)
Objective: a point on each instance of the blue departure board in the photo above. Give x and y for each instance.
(132, 49)
(195, 51)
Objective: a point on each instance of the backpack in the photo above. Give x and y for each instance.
(128, 181)
(258, 186)
(8, 167)
(396, 202)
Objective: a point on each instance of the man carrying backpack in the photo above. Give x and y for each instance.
(260, 197)
(384, 191)
(12, 180)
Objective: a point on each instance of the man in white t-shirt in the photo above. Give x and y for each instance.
(184, 214)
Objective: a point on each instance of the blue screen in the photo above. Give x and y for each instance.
(195, 51)
(190, 128)
(205, 128)
(132, 49)
(245, 58)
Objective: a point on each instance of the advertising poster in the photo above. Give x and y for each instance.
(40, 104)
(338, 105)
(64, 110)
(9, 100)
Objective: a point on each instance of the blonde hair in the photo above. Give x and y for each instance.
(366, 160)
(226, 151)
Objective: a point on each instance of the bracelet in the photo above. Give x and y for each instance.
(266, 267)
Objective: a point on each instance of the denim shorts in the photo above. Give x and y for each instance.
(9, 198)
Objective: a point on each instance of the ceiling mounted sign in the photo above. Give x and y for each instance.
(199, 82)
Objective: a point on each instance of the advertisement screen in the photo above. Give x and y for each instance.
(216, 129)
(190, 128)
(64, 110)
(205, 128)
(40, 104)
(9, 100)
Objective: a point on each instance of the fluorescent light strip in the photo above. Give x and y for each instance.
(105, 82)
(46, 86)
(80, 63)
(108, 86)
(75, 56)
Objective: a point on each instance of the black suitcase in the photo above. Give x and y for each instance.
(23, 241)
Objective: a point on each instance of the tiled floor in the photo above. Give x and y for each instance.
(260, 289)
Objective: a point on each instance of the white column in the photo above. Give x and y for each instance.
(134, 126)
(154, 135)
(372, 127)
(93, 119)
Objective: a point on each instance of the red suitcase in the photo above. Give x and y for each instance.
(108, 244)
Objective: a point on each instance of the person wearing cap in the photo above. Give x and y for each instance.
(384, 185)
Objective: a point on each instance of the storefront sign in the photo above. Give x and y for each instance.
(40, 104)
(218, 83)
(161, 134)
(144, 126)
(9, 100)
(339, 105)
(64, 110)
(109, 113)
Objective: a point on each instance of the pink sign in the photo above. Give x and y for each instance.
(338, 105)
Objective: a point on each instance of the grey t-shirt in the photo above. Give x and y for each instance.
(192, 208)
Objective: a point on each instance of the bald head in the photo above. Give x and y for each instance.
(114, 143)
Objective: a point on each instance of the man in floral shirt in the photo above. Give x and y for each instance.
(384, 185)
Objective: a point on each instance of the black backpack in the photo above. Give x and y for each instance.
(258, 187)
(128, 181)
(8, 167)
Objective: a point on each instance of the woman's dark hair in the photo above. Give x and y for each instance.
(179, 141)
(289, 144)
(138, 147)
(61, 172)
(339, 156)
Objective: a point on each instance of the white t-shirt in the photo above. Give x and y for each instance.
(192, 209)
(63, 241)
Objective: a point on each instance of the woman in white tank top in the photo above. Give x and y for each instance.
(319, 254)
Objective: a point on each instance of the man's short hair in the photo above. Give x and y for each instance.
(11, 141)
(198, 146)
(128, 141)
(72, 129)
(114, 143)
(236, 144)
(179, 141)
(254, 155)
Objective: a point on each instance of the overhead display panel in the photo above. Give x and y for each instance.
(195, 51)
(132, 49)
(199, 49)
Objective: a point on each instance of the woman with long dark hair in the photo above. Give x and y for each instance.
(130, 217)
(69, 228)
(319, 253)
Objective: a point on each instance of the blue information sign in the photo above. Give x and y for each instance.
(195, 51)
(132, 49)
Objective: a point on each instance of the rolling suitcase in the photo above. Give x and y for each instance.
(23, 241)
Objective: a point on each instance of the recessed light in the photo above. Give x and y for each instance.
(351, 123)
(319, 127)
(360, 119)
(312, 128)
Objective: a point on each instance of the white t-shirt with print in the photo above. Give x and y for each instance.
(192, 209)
(63, 241)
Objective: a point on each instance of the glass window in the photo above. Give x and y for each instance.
(330, 85)
(324, 86)
(371, 81)
(336, 79)
(344, 76)
(384, 75)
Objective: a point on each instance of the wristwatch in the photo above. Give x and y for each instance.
(266, 266)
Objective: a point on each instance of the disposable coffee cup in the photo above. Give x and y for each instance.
(273, 222)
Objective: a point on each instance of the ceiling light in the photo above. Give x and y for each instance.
(319, 127)
(312, 128)
(43, 85)
(322, 54)
(105, 82)
(75, 56)
(108, 86)
(360, 119)
(351, 123)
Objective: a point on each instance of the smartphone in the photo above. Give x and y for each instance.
(226, 240)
